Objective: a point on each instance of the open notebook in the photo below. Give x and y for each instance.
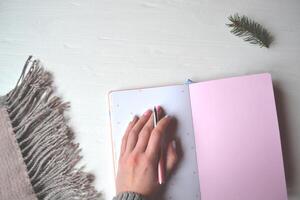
(229, 135)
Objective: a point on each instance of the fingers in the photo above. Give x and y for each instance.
(146, 132)
(156, 137)
(171, 157)
(136, 129)
(125, 136)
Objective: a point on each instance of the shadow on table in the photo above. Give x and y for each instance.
(286, 137)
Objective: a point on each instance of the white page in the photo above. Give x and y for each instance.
(184, 182)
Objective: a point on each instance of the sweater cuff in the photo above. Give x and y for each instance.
(129, 196)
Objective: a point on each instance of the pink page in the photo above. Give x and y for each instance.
(237, 139)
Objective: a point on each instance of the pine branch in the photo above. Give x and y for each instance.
(250, 30)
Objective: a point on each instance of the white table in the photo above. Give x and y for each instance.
(95, 46)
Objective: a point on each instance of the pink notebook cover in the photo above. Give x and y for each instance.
(237, 139)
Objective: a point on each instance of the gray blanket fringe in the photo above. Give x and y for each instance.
(45, 139)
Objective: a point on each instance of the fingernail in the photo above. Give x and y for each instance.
(134, 118)
(174, 144)
(158, 108)
(148, 112)
(167, 116)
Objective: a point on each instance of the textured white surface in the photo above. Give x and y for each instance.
(94, 46)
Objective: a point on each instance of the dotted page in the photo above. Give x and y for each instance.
(184, 182)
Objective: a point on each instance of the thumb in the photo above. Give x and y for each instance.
(172, 157)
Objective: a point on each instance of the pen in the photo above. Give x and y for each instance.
(160, 163)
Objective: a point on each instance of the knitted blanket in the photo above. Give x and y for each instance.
(38, 155)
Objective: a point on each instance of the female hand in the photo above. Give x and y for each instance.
(140, 154)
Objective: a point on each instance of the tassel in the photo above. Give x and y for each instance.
(45, 139)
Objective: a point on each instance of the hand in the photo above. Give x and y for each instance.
(140, 154)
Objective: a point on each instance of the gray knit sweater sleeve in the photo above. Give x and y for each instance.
(129, 196)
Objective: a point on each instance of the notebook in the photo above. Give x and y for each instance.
(229, 135)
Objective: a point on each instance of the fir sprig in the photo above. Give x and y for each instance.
(250, 30)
